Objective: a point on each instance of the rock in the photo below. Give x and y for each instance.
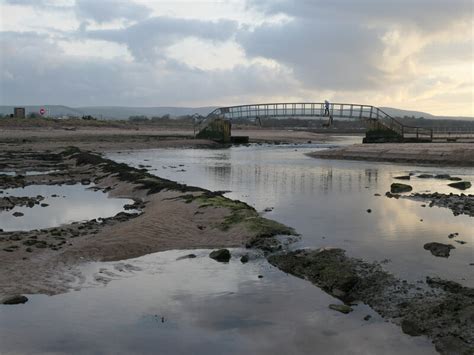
(443, 176)
(244, 259)
(44, 205)
(425, 176)
(439, 249)
(454, 178)
(390, 195)
(85, 182)
(367, 317)
(260, 276)
(460, 241)
(377, 194)
(411, 328)
(341, 308)
(18, 214)
(404, 177)
(16, 299)
(399, 188)
(268, 209)
(461, 185)
(451, 345)
(369, 210)
(221, 255)
(189, 256)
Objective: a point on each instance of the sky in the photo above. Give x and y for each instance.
(409, 54)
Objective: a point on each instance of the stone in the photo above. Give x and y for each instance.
(188, 256)
(443, 176)
(18, 214)
(454, 178)
(341, 308)
(403, 177)
(369, 210)
(244, 259)
(461, 185)
(460, 241)
(399, 188)
(439, 249)
(367, 317)
(44, 205)
(221, 255)
(15, 299)
(425, 176)
(411, 328)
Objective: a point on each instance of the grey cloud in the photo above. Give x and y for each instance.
(320, 55)
(108, 10)
(430, 15)
(148, 39)
(37, 72)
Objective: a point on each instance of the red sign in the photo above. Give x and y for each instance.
(42, 111)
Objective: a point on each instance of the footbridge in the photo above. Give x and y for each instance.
(381, 126)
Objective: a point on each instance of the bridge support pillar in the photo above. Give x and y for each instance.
(218, 130)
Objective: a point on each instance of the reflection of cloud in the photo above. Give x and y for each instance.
(79, 204)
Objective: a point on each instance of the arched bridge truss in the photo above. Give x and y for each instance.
(373, 116)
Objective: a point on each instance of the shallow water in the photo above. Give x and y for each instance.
(159, 305)
(73, 203)
(326, 201)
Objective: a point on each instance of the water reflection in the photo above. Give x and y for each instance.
(197, 306)
(65, 204)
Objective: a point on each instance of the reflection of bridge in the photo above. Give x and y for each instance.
(376, 119)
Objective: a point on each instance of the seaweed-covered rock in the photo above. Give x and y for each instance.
(461, 185)
(425, 176)
(341, 308)
(439, 249)
(15, 299)
(403, 177)
(397, 188)
(221, 255)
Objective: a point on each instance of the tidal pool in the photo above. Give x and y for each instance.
(159, 305)
(66, 204)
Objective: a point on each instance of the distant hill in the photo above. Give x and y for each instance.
(395, 112)
(111, 112)
(124, 112)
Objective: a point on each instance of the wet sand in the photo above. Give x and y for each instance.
(172, 216)
(452, 154)
(141, 137)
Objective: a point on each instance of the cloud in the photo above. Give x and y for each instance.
(427, 15)
(36, 71)
(148, 39)
(415, 54)
(109, 10)
(320, 54)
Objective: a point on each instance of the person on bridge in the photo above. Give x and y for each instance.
(326, 108)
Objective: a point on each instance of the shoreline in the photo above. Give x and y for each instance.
(441, 154)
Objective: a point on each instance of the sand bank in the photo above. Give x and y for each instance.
(452, 154)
